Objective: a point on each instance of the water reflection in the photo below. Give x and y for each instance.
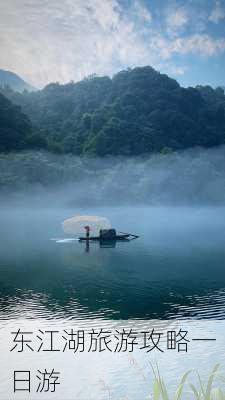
(176, 267)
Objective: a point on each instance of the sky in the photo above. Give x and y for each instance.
(62, 40)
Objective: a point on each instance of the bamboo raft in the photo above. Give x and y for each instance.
(107, 235)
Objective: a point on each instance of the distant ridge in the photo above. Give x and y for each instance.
(13, 80)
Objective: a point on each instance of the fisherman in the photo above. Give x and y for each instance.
(87, 228)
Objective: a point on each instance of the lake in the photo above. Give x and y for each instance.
(174, 270)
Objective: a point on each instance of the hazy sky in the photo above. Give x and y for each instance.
(63, 40)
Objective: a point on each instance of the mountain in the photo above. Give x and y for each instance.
(12, 80)
(137, 111)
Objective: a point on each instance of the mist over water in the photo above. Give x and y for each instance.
(192, 177)
(174, 202)
(175, 270)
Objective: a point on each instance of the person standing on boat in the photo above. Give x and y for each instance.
(87, 228)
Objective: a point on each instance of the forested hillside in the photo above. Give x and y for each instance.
(16, 132)
(137, 111)
(15, 127)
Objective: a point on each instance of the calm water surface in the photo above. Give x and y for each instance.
(176, 269)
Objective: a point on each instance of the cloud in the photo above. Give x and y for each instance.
(47, 41)
(176, 70)
(142, 12)
(199, 44)
(217, 14)
(177, 19)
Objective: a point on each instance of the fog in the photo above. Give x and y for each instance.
(189, 178)
(174, 202)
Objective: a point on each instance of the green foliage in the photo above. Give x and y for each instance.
(16, 130)
(14, 126)
(198, 391)
(137, 111)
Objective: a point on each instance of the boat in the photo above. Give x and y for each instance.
(108, 235)
(125, 237)
(98, 229)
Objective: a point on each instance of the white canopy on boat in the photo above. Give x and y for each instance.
(76, 225)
